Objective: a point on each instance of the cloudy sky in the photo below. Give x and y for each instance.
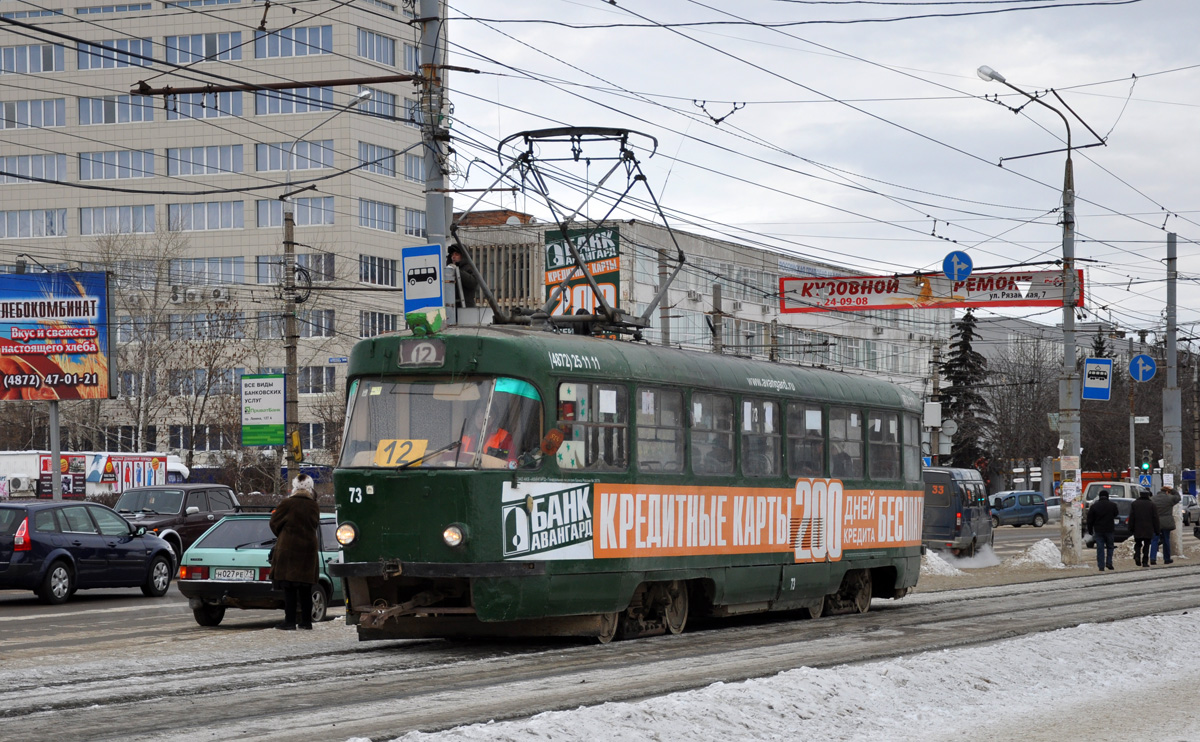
(859, 133)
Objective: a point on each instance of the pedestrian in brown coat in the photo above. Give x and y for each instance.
(295, 564)
(1143, 524)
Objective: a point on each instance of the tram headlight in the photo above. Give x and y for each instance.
(455, 535)
(346, 534)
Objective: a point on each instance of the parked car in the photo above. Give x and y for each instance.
(1053, 509)
(56, 548)
(1121, 526)
(1190, 509)
(1018, 507)
(227, 568)
(179, 513)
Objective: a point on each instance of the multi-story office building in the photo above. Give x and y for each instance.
(180, 195)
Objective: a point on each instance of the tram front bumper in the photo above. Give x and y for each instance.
(438, 569)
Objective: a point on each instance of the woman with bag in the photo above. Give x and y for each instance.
(295, 565)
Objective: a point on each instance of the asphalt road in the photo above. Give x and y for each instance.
(116, 665)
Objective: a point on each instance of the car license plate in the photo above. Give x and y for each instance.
(234, 574)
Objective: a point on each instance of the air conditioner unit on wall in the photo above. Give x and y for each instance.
(693, 295)
(191, 296)
(736, 306)
(878, 330)
(21, 483)
(220, 296)
(177, 295)
(134, 300)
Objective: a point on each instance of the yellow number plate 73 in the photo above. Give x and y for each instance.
(396, 452)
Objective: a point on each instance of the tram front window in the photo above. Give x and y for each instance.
(473, 424)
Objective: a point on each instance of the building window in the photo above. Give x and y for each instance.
(33, 223)
(205, 160)
(19, 167)
(315, 323)
(205, 47)
(115, 109)
(294, 42)
(376, 215)
(115, 53)
(116, 164)
(18, 14)
(371, 324)
(198, 3)
(377, 159)
(316, 379)
(376, 47)
(32, 58)
(318, 264)
(202, 326)
(131, 384)
(212, 271)
(380, 104)
(379, 271)
(199, 437)
(187, 382)
(412, 58)
(203, 106)
(414, 167)
(307, 155)
(312, 435)
(128, 8)
(205, 216)
(382, 4)
(309, 212)
(269, 269)
(414, 222)
(35, 114)
(270, 327)
(301, 100)
(116, 220)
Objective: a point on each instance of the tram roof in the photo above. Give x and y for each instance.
(532, 354)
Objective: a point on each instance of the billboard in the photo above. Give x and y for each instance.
(600, 250)
(54, 336)
(925, 291)
(263, 408)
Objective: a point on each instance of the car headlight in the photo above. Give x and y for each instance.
(454, 535)
(346, 534)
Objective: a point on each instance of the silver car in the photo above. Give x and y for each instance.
(1053, 509)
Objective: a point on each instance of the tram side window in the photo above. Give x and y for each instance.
(712, 434)
(595, 421)
(845, 443)
(760, 438)
(883, 437)
(806, 440)
(659, 430)
(912, 449)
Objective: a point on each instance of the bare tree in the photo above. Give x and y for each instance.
(1024, 388)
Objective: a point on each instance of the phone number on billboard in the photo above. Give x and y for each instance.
(33, 381)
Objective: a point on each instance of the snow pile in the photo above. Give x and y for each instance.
(1044, 553)
(1007, 690)
(933, 564)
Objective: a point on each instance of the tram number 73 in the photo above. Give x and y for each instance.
(820, 520)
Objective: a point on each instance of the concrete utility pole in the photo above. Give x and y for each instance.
(718, 325)
(435, 135)
(1172, 403)
(935, 433)
(664, 311)
(1133, 477)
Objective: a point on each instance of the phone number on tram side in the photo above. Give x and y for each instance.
(34, 381)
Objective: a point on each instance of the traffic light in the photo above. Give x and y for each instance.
(1146, 454)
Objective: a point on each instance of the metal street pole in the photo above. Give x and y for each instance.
(434, 134)
(1172, 399)
(291, 335)
(1068, 384)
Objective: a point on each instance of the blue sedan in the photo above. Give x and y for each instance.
(1019, 507)
(56, 548)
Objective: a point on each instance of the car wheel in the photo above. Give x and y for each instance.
(995, 522)
(158, 579)
(209, 615)
(1038, 521)
(320, 604)
(58, 584)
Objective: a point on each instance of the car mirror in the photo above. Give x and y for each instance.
(139, 531)
(192, 510)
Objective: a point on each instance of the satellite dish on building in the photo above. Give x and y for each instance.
(513, 220)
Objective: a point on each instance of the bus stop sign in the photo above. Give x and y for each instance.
(421, 272)
(1097, 378)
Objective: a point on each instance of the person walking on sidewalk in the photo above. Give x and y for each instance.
(1143, 524)
(1101, 521)
(1164, 502)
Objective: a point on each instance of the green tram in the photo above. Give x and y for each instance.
(502, 481)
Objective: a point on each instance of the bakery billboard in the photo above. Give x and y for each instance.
(54, 336)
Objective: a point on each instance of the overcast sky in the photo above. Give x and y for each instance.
(851, 138)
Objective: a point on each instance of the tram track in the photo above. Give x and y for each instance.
(382, 691)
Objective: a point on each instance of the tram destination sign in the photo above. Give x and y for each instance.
(869, 293)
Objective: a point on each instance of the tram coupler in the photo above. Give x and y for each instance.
(375, 616)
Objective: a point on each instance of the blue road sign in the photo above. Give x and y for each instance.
(1144, 480)
(1097, 378)
(1142, 367)
(927, 460)
(421, 271)
(957, 266)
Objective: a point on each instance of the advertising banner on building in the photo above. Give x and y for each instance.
(868, 293)
(263, 420)
(54, 336)
(600, 250)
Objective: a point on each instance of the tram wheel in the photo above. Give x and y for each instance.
(608, 627)
(817, 609)
(675, 614)
(862, 591)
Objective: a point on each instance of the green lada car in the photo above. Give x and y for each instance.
(227, 568)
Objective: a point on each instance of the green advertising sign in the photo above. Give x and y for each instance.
(263, 419)
(600, 250)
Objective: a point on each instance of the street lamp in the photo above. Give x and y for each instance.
(1068, 394)
(290, 335)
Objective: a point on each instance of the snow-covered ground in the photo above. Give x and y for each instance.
(1128, 680)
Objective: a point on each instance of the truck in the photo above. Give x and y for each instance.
(85, 474)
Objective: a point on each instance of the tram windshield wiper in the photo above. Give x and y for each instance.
(449, 446)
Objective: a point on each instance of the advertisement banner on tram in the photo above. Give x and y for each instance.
(600, 250)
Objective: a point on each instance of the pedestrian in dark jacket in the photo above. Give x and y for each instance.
(466, 279)
(294, 567)
(1164, 502)
(1143, 524)
(1101, 521)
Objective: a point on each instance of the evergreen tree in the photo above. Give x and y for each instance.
(965, 371)
(1100, 347)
